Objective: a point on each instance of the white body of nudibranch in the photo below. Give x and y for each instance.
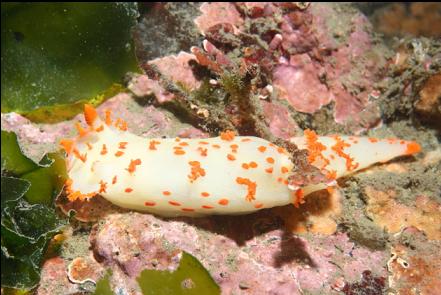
(195, 177)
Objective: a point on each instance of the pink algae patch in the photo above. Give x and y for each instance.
(218, 13)
(280, 122)
(177, 69)
(298, 82)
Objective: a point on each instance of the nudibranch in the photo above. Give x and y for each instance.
(221, 175)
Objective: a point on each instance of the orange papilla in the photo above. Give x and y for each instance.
(81, 131)
(133, 164)
(174, 203)
(253, 164)
(227, 135)
(183, 143)
(412, 148)
(77, 154)
(205, 194)
(114, 179)
(108, 117)
(67, 145)
(251, 187)
(373, 140)
(245, 139)
(203, 142)
(119, 153)
(150, 204)
(245, 166)
(338, 148)
(166, 193)
(231, 157)
(179, 152)
(76, 195)
(104, 149)
(269, 170)
(299, 198)
(207, 207)
(90, 114)
(258, 205)
(216, 146)
(314, 147)
(331, 175)
(128, 190)
(284, 169)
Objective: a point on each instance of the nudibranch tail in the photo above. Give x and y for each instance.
(338, 156)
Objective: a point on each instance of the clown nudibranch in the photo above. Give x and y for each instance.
(221, 175)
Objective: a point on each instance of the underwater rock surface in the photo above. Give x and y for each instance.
(270, 70)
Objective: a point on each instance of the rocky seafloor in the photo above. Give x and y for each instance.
(271, 70)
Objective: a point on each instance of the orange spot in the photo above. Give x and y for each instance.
(332, 157)
(122, 145)
(187, 209)
(245, 139)
(67, 145)
(99, 129)
(177, 139)
(234, 147)
(331, 175)
(216, 146)
(280, 179)
(128, 190)
(231, 157)
(89, 146)
(285, 182)
(179, 152)
(223, 202)
(196, 171)
(203, 152)
(119, 153)
(103, 187)
(330, 189)
(258, 205)
(77, 154)
(227, 135)
(412, 148)
(262, 149)
(114, 179)
(166, 193)
(152, 144)
(203, 142)
(281, 150)
(251, 187)
(284, 169)
(205, 194)
(173, 203)
(269, 170)
(183, 144)
(299, 198)
(245, 166)
(81, 131)
(373, 140)
(338, 148)
(149, 204)
(253, 164)
(315, 148)
(90, 114)
(104, 149)
(121, 124)
(132, 165)
(108, 117)
(207, 207)
(270, 160)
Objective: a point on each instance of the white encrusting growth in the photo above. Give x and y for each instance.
(221, 175)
